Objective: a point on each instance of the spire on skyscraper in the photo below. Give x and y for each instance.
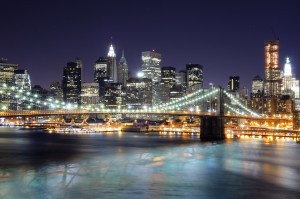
(111, 52)
(123, 59)
(287, 68)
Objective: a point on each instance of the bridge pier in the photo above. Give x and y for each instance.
(212, 128)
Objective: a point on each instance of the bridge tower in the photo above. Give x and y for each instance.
(212, 127)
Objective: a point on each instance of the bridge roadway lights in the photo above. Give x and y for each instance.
(212, 128)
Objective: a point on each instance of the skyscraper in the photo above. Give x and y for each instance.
(194, 76)
(290, 85)
(7, 72)
(112, 64)
(168, 76)
(72, 82)
(234, 83)
(272, 70)
(123, 70)
(151, 65)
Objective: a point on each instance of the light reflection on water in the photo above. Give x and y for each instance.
(131, 165)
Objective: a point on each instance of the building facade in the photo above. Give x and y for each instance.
(112, 64)
(234, 83)
(194, 74)
(71, 83)
(89, 93)
(272, 86)
(151, 65)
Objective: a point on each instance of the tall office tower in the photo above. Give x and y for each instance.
(295, 87)
(7, 78)
(151, 67)
(139, 93)
(181, 81)
(71, 83)
(113, 70)
(7, 72)
(194, 74)
(102, 75)
(168, 76)
(56, 90)
(123, 70)
(22, 80)
(272, 70)
(89, 93)
(234, 83)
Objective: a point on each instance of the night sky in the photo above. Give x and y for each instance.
(226, 37)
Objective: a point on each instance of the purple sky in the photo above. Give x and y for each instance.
(226, 37)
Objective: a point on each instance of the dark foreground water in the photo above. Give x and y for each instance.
(39, 165)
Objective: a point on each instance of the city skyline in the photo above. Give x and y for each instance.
(219, 36)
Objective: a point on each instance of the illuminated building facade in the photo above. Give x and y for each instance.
(89, 93)
(138, 93)
(272, 86)
(194, 77)
(123, 70)
(56, 90)
(22, 79)
(113, 95)
(180, 82)
(290, 85)
(168, 76)
(71, 83)
(234, 83)
(151, 65)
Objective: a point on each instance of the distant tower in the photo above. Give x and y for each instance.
(287, 77)
(113, 70)
(234, 83)
(194, 74)
(123, 70)
(72, 82)
(22, 79)
(151, 65)
(272, 70)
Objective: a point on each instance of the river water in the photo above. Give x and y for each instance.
(36, 164)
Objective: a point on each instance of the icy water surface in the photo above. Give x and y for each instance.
(38, 165)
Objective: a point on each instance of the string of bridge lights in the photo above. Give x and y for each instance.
(240, 104)
(176, 104)
(186, 100)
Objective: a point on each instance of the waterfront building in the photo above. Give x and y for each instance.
(138, 93)
(71, 83)
(89, 93)
(123, 70)
(272, 85)
(151, 65)
(194, 77)
(234, 83)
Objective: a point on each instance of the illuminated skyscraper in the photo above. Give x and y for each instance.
(272, 87)
(151, 65)
(72, 82)
(194, 74)
(290, 85)
(123, 70)
(168, 76)
(112, 64)
(234, 83)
